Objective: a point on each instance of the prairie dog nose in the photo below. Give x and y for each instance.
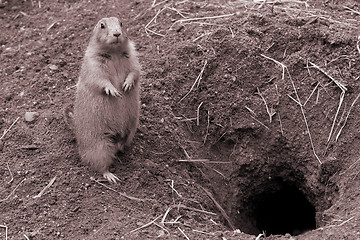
(117, 34)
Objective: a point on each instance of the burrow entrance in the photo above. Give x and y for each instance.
(275, 198)
(281, 209)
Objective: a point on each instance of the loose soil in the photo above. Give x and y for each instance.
(249, 124)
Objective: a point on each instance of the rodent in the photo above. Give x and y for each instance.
(107, 102)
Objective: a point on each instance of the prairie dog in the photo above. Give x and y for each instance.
(107, 104)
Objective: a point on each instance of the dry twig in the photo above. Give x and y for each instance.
(6, 231)
(183, 233)
(347, 116)
(339, 84)
(145, 225)
(207, 126)
(297, 101)
(262, 124)
(46, 187)
(7, 130)
(121, 194)
(270, 113)
(342, 95)
(172, 187)
(200, 160)
(198, 114)
(12, 192)
(223, 213)
(197, 80)
(352, 10)
(11, 175)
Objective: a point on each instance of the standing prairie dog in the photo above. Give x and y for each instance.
(107, 104)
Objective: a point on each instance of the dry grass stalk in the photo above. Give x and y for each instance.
(183, 233)
(271, 113)
(313, 91)
(6, 231)
(339, 84)
(121, 194)
(203, 18)
(200, 160)
(207, 126)
(217, 171)
(262, 124)
(12, 192)
(281, 127)
(145, 225)
(198, 231)
(352, 10)
(172, 187)
(11, 175)
(198, 114)
(223, 213)
(260, 236)
(165, 215)
(197, 80)
(195, 209)
(297, 101)
(347, 116)
(46, 187)
(7, 130)
(342, 95)
(250, 110)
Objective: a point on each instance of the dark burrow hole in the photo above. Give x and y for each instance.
(285, 210)
(279, 208)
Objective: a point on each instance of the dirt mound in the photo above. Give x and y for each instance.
(249, 122)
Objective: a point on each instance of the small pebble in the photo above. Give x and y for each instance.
(31, 116)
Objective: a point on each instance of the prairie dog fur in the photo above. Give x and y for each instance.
(107, 104)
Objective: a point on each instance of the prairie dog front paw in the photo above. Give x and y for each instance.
(112, 91)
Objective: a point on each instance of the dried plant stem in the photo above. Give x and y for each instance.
(200, 160)
(145, 225)
(270, 113)
(183, 233)
(340, 85)
(6, 231)
(198, 114)
(313, 91)
(207, 126)
(173, 189)
(219, 208)
(303, 113)
(199, 77)
(11, 175)
(46, 187)
(337, 112)
(195, 210)
(347, 116)
(281, 127)
(7, 130)
(204, 18)
(12, 192)
(260, 122)
(121, 194)
(352, 10)
(297, 101)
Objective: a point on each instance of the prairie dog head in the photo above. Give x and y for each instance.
(110, 33)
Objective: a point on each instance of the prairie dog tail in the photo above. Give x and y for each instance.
(99, 156)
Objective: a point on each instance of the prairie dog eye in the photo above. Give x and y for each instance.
(102, 26)
(120, 24)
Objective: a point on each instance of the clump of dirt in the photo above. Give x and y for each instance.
(248, 129)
